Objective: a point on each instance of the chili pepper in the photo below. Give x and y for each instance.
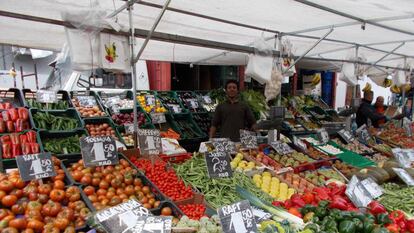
(339, 203)
(16, 150)
(26, 125)
(6, 150)
(34, 147)
(5, 138)
(23, 138)
(392, 228)
(376, 208)
(2, 126)
(287, 204)
(10, 126)
(6, 116)
(26, 149)
(31, 136)
(23, 113)
(1, 106)
(14, 115)
(397, 216)
(347, 226)
(15, 139)
(297, 201)
(383, 219)
(19, 125)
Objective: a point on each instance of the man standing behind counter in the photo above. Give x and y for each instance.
(367, 111)
(232, 115)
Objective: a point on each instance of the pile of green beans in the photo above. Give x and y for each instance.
(398, 197)
(217, 192)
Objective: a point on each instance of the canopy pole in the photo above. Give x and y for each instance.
(152, 30)
(312, 47)
(356, 72)
(123, 7)
(278, 46)
(386, 55)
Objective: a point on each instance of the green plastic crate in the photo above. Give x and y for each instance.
(162, 95)
(61, 96)
(192, 127)
(74, 94)
(43, 135)
(101, 120)
(70, 113)
(352, 158)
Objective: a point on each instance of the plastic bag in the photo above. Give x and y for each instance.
(399, 78)
(348, 74)
(114, 52)
(260, 64)
(273, 87)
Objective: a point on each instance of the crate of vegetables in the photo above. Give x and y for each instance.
(126, 116)
(16, 144)
(11, 98)
(168, 208)
(14, 120)
(190, 101)
(203, 121)
(150, 102)
(117, 101)
(87, 104)
(170, 100)
(128, 137)
(63, 100)
(102, 126)
(187, 127)
(55, 121)
(59, 143)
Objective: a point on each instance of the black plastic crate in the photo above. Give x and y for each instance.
(187, 126)
(70, 113)
(102, 120)
(124, 95)
(203, 121)
(44, 135)
(13, 96)
(63, 96)
(75, 94)
(175, 210)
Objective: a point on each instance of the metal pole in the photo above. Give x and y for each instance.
(313, 46)
(123, 7)
(278, 42)
(152, 30)
(355, 72)
(134, 73)
(386, 55)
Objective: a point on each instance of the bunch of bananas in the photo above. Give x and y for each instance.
(367, 87)
(397, 90)
(387, 83)
(316, 79)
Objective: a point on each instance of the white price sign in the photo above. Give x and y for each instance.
(46, 96)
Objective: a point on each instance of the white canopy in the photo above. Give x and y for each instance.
(288, 16)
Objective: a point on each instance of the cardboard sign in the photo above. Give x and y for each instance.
(150, 99)
(237, 217)
(223, 145)
(363, 134)
(346, 136)
(153, 224)
(403, 174)
(248, 139)
(149, 141)
(46, 96)
(35, 166)
(158, 118)
(323, 135)
(357, 193)
(129, 128)
(218, 164)
(372, 188)
(123, 217)
(193, 103)
(272, 136)
(299, 143)
(404, 156)
(87, 101)
(281, 148)
(98, 151)
(175, 108)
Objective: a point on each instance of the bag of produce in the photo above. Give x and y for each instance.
(260, 64)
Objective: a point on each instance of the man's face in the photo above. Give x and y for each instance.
(380, 101)
(231, 90)
(369, 97)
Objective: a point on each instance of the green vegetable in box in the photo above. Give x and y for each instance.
(68, 145)
(59, 105)
(51, 122)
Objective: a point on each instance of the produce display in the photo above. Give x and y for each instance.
(128, 118)
(67, 145)
(188, 129)
(241, 165)
(16, 144)
(205, 224)
(103, 129)
(6, 105)
(47, 120)
(266, 160)
(59, 105)
(331, 149)
(320, 176)
(297, 182)
(14, 120)
(193, 211)
(170, 133)
(273, 186)
(291, 160)
(190, 101)
(397, 136)
(88, 110)
(355, 146)
(169, 101)
(118, 103)
(128, 139)
(344, 168)
(294, 126)
(316, 154)
(398, 197)
(150, 104)
(203, 121)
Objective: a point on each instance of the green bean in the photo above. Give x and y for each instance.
(397, 197)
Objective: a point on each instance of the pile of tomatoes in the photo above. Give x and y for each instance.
(34, 207)
(193, 211)
(165, 179)
(111, 185)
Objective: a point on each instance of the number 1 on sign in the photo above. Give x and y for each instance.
(36, 167)
(98, 151)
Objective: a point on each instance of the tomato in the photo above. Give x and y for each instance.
(93, 198)
(27, 230)
(109, 177)
(17, 182)
(166, 211)
(33, 214)
(17, 192)
(78, 205)
(116, 183)
(77, 175)
(89, 190)
(31, 188)
(73, 193)
(43, 198)
(9, 200)
(33, 196)
(34, 205)
(95, 181)
(119, 191)
(147, 205)
(84, 212)
(67, 213)
(9, 230)
(137, 182)
(45, 189)
(104, 184)
(51, 208)
(61, 223)
(3, 213)
(101, 192)
(18, 223)
(57, 195)
(60, 177)
(18, 209)
(156, 204)
(58, 184)
(115, 201)
(35, 224)
(86, 180)
(6, 186)
(2, 194)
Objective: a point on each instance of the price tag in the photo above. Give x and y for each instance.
(351, 186)
(146, 224)
(248, 139)
(150, 99)
(299, 143)
(407, 127)
(281, 148)
(218, 165)
(346, 136)
(207, 99)
(323, 135)
(260, 215)
(46, 96)
(149, 141)
(115, 109)
(372, 188)
(403, 174)
(357, 193)
(123, 217)
(98, 151)
(404, 156)
(129, 128)
(175, 107)
(363, 134)
(272, 136)
(237, 217)
(35, 166)
(192, 103)
(224, 145)
(87, 101)
(158, 118)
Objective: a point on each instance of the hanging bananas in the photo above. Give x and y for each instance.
(387, 83)
(316, 79)
(396, 90)
(110, 52)
(367, 87)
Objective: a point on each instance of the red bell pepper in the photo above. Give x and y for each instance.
(15, 138)
(26, 150)
(19, 125)
(6, 115)
(339, 203)
(10, 126)
(14, 114)
(2, 126)
(321, 193)
(31, 136)
(23, 138)
(7, 105)
(397, 216)
(5, 138)
(410, 225)
(26, 125)
(308, 197)
(393, 228)
(23, 113)
(16, 150)
(34, 147)
(6, 150)
(1, 106)
(297, 201)
(376, 208)
(337, 189)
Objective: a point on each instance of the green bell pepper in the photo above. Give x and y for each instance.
(359, 225)
(383, 219)
(313, 227)
(347, 226)
(306, 209)
(369, 225)
(380, 230)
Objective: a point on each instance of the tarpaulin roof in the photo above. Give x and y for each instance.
(238, 22)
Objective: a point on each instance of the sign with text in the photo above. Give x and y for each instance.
(175, 108)
(192, 103)
(403, 174)
(299, 143)
(357, 193)
(223, 145)
(87, 101)
(218, 165)
(363, 134)
(150, 99)
(153, 224)
(346, 136)
(149, 141)
(404, 157)
(372, 188)
(98, 151)
(35, 166)
(237, 217)
(46, 96)
(323, 135)
(248, 139)
(271, 136)
(207, 99)
(281, 148)
(123, 217)
(158, 118)
(129, 128)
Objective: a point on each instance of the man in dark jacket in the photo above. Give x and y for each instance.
(367, 111)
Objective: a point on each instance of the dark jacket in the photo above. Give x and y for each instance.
(367, 111)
